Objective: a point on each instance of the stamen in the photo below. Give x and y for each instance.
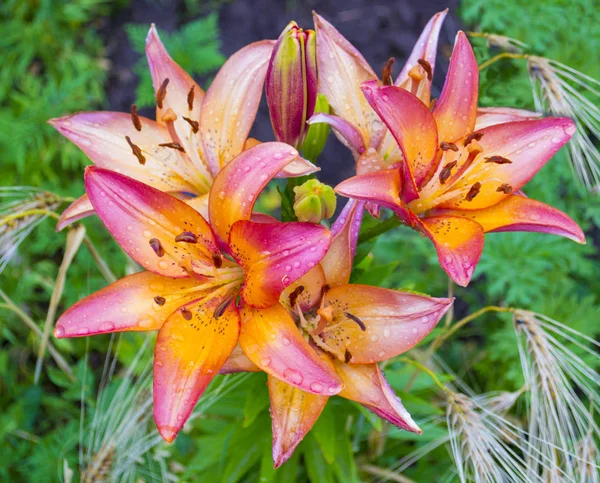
(498, 160)
(190, 98)
(186, 237)
(135, 118)
(347, 356)
(325, 289)
(416, 74)
(504, 188)
(386, 72)
(354, 318)
(433, 103)
(169, 116)
(157, 247)
(426, 67)
(220, 310)
(295, 294)
(474, 149)
(217, 260)
(444, 146)
(161, 93)
(187, 315)
(474, 191)
(326, 313)
(195, 124)
(160, 300)
(474, 136)
(136, 151)
(176, 146)
(447, 171)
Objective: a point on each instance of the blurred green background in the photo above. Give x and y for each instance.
(55, 62)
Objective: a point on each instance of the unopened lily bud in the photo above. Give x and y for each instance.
(317, 133)
(291, 83)
(314, 201)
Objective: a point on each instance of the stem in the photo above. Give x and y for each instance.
(32, 212)
(428, 371)
(450, 314)
(385, 474)
(379, 229)
(503, 55)
(100, 263)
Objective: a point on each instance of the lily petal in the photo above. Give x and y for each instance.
(518, 213)
(271, 340)
(459, 243)
(191, 347)
(145, 223)
(293, 414)
(348, 135)
(342, 69)
(80, 208)
(138, 302)
(372, 324)
(238, 362)
(337, 263)
(414, 128)
(231, 102)
(239, 183)
(365, 384)
(102, 136)
(456, 111)
(489, 116)
(274, 255)
(312, 283)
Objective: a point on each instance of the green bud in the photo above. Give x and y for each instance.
(316, 136)
(314, 201)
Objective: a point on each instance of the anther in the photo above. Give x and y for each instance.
(190, 98)
(295, 294)
(186, 237)
(504, 188)
(474, 191)
(217, 260)
(187, 315)
(325, 289)
(135, 118)
(444, 146)
(426, 67)
(169, 116)
(220, 310)
(498, 160)
(354, 318)
(474, 136)
(386, 72)
(136, 150)
(447, 171)
(160, 300)
(195, 124)
(161, 93)
(347, 356)
(433, 103)
(176, 146)
(157, 247)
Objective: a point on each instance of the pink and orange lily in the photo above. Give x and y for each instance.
(349, 327)
(457, 182)
(195, 272)
(195, 133)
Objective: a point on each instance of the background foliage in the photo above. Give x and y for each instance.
(54, 63)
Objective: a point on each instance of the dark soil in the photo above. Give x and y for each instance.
(379, 29)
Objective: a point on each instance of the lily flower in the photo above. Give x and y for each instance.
(349, 327)
(194, 274)
(458, 182)
(195, 133)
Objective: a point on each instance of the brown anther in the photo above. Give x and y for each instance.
(447, 171)
(325, 289)
(190, 98)
(157, 247)
(176, 146)
(504, 188)
(444, 146)
(326, 313)
(347, 356)
(295, 294)
(426, 67)
(195, 124)
(136, 150)
(161, 93)
(474, 136)
(220, 310)
(186, 237)
(354, 318)
(160, 300)
(416, 73)
(135, 118)
(433, 103)
(474, 191)
(498, 160)
(217, 260)
(187, 315)
(169, 116)
(386, 72)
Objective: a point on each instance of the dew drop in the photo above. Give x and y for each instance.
(265, 361)
(316, 387)
(293, 376)
(106, 326)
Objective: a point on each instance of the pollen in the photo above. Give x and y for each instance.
(295, 294)
(190, 98)
(386, 72)
(504, 188)
(447, 171)
(474, 136)
(161, 93)
(444, 146)
(426, 67)
(176, 146)
(217, 260)
(473, 192)
(157, 247)
(135, 118)
(354, 318)
(136, 151)
(347, 356)
(195, 124)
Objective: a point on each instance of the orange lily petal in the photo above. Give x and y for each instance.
(231, 102)
(459, 243)
(80, 208)
(518, 213)
(489, 116)
(365, 384)
(191, 347)
(337, 262)
(372, 324)
(238, 362)
(138, 302)
(456, 111)
(293, 414)
(273, 255)
(271, 340)
(145, 222)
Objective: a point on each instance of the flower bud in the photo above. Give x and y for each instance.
(314, 201)
(317, 133)
(291, 83)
